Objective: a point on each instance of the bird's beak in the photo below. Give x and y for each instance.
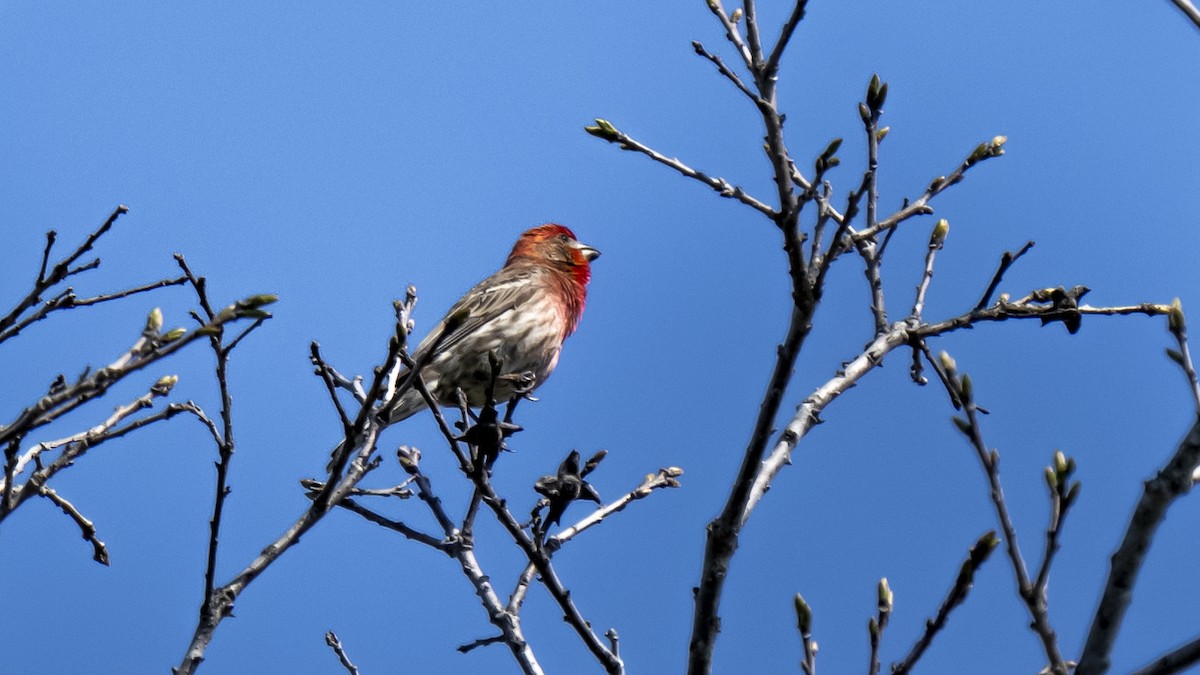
(588, 252)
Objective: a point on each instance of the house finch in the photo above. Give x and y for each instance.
(519, 316)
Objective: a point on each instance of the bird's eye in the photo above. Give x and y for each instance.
(564, 238)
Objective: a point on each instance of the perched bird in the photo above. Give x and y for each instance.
(519, 316)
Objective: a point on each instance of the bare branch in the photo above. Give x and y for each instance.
(1175, 661)
(731, 32)
(506, 619)
(726, 71)
(606, 131)
(1033, 596)
(978, 554)
(219, 603)
(541, 560)
(86, 528)
(334, 643)
(1173, 480)
(983, 151)
(785, 36)
(936, 240)
(395, 525)
(663, 478)
(61, 270)
(149, 349)
(1006, 261)
(1189, 10)
(75, 446)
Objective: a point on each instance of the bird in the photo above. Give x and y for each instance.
(517, 317)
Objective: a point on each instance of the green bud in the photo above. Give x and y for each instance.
(1060, 462)
(936, 183)
(1175, 319)
(1073, 493)
(873, 629)
(864, 112)
(208, 330)
(948, 363)
(164, 385)
(881, 96)
(882, 134)
(1176, 357)
(605, 130)
(154, 321)
(886, 597)
(967, 387)
(1004, 298)
(736, 16)
(259, 300)
(252, 313)
(1051, 479)
(981, 151)
(174, 334)
(803, 615)
(832, 148)
(962, 424)
(940, 230)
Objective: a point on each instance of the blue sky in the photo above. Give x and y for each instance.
(335, 154)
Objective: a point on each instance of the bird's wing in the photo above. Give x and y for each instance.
(491, 298)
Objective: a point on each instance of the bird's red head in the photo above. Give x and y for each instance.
(555, 245)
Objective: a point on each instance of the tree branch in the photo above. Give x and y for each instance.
(1033, 596)
(1189, 10)
(606, 131)
(1173, 480)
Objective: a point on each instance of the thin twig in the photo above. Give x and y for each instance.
(936, 241)
(664, 478)
(1033, 596)
(219, 605)
(506, 619)
(983, 151)
(395, 525)
(731, 32)
(1006, 261)
(610, 661)
(61, 270)
(77, 445)
(785, 36)
(87, 529)
(97, 299)
(334, 643)
(1189, 10)
(606, 131)
(1174, 661)
(725, 71)
(977, 555)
